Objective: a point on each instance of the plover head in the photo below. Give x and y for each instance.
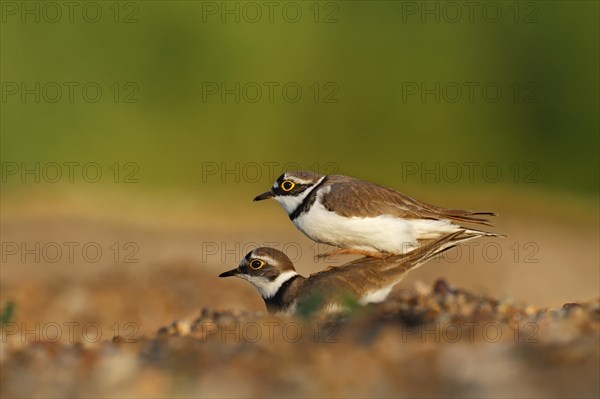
(265, 268)
(291, 188)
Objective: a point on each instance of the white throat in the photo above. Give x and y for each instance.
(268, 288)
(291, 202)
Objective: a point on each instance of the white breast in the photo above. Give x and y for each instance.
(382, 233)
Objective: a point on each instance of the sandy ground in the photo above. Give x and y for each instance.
(78, 279)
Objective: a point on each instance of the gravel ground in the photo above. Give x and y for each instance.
(423, 341)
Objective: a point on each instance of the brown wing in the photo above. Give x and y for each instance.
(369, 274)
(343, 280)
(353, 197)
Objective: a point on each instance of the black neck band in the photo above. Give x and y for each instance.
(308, 201)
(276, 302)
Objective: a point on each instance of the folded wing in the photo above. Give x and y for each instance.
(353, 197)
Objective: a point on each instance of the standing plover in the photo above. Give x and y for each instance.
(365, 218)
(365, 280)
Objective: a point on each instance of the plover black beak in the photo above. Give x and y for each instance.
(264, 196)
(229, 273)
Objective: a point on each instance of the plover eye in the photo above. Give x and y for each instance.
(287, 185)
(256, 264)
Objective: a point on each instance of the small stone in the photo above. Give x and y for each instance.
(182, 327)
(117, 339)
(571, 305)
(163, 331)
(421, 288)
(442, 287)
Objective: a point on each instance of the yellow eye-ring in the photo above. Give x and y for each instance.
(256, 264)
(287, 185)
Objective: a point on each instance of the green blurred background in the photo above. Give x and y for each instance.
(364, 55)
